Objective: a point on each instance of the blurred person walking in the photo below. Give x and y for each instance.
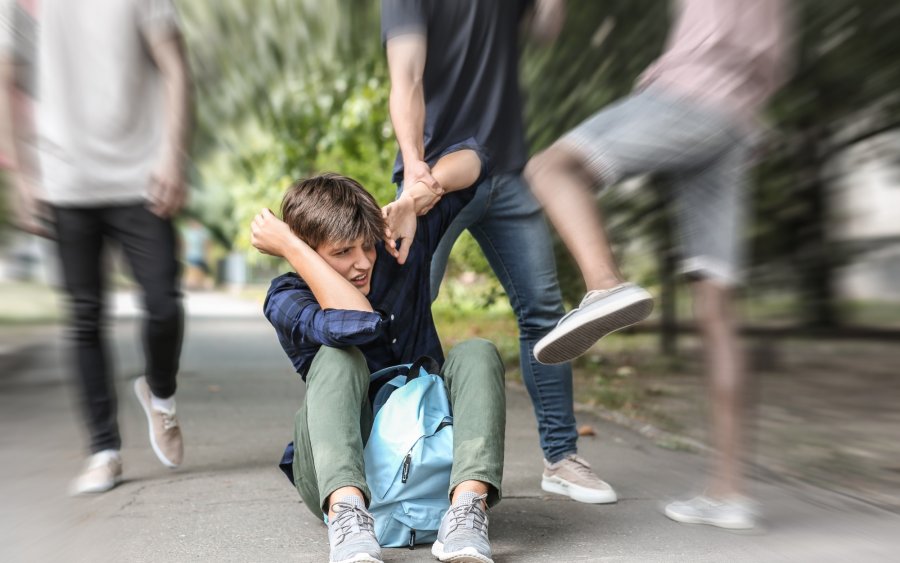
(196, 242)
(691, 116)
(454, 76)
(112, 131)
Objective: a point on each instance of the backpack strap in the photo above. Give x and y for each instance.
(427, 363)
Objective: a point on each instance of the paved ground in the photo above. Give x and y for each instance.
(228, 502)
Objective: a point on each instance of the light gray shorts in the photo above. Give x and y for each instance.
(703, 150)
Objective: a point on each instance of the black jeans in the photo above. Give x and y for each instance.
(149, 244)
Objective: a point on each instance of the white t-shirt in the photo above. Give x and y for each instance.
(100, 108)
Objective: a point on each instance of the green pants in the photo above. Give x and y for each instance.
(334, 422)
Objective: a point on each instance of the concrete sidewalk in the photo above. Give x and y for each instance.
(228, 502)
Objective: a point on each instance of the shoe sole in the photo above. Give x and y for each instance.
(144, 405)
(467, 556)
(358, 558)
(567, 342)
(579, 493)
(75, 492)
(708, 521)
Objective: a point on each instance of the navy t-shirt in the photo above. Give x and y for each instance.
(471, 78)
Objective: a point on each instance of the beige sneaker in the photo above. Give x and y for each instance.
(165, 434)
(572, 476)
(102, 472)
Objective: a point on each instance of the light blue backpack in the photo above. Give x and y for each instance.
(409, 453)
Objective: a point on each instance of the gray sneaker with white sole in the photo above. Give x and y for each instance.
(601, 312)
(351, 533)
(463, 535)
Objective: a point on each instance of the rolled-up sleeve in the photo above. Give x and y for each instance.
(299, 319)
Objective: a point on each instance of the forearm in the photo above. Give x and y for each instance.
(407, 107)
(178, 106)
(406, 64)
(331, 290)
(455, 171)
(167, 50)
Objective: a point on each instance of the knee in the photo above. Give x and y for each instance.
(349, 362)
(163, 306)
(543, 164)
(86, 319)
(479, 352)
(349, 356)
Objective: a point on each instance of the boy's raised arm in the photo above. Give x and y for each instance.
(271, 235)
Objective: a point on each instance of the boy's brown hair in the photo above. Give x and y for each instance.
(331, 208)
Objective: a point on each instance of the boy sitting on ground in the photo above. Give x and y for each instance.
(353, 308)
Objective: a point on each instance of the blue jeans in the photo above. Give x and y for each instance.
(509, 225)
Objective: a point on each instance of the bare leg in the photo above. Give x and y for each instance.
(727, 379)
(561, 185)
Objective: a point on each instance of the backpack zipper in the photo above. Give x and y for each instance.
(407, 461)
(412, 538)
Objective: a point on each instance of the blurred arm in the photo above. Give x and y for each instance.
(25, 198)
(548, 19)
(7, 132)
(169, 192)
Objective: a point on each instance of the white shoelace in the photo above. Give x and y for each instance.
(169, 420)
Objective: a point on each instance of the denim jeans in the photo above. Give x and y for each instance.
(508, 223)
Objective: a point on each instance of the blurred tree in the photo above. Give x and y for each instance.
(288, 88)
(284, 89)
(843, 91)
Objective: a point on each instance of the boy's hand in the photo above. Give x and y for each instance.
(401, 222)
(271, 235)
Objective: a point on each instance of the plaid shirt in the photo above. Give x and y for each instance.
(399, 331)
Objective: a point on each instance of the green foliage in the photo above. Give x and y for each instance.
(284, 90)
(287, 88)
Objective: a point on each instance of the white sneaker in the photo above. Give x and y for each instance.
(734, 513)
(102, 472)
(572, 476)
(601, 312)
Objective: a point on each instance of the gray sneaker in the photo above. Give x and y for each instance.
(463, 535)
(572, 476)
(351, 533)
(735, 513)
(601, 312)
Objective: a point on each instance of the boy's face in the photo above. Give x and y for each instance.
(352, 259)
